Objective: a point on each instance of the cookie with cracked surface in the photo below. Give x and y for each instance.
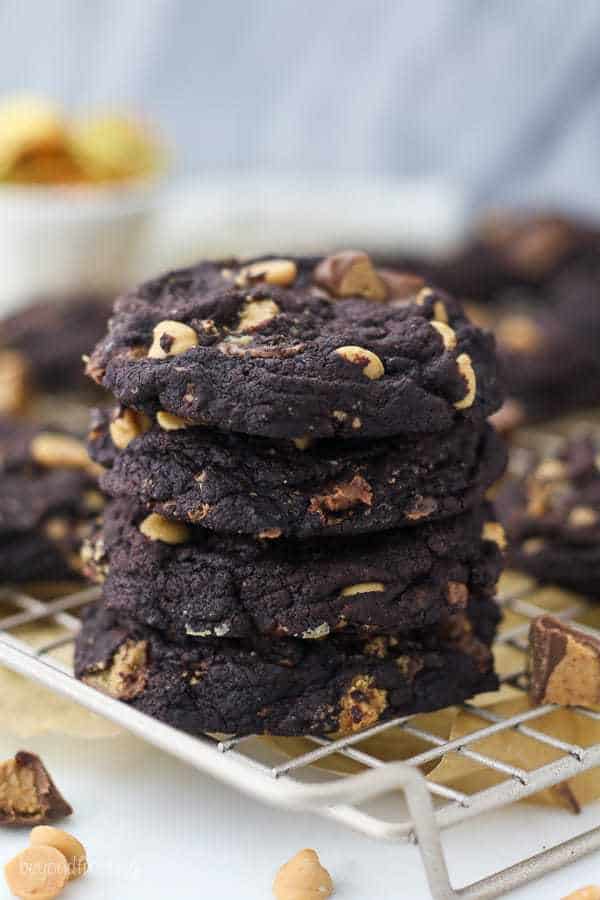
(310, 353)
(286, 687)
(187, 580)
(51, 336)
(48, 498)
(240, 484)
(551, 514)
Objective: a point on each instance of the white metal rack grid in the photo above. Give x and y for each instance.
(290, 780)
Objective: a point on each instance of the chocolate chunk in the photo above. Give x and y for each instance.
(28, 796)
(565, 664)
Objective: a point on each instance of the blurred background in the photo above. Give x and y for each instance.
(289, 124)
(454, 138)
(499, 98)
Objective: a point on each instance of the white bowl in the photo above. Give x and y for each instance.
(58, 240)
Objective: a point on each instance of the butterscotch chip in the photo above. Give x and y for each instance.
(65, 843)
(256, 313)
(465, 367)
(370, 363)
(171, 339)
(37, 873)
(59, 451)
(157, 528)
(365, 587)
(27, 793)
(14, 377)
(281, 272)
(303, 878)
(350, 274)
(565, 664)
(169, 422)
(447, 334)
(128, 425)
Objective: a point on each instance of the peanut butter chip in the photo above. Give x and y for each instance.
(446, 333)
(257, 312)
(303, 878)
(493, 531)
(127, 426)
(13, 382)
(465, 367)
(591, 892)
(171, 338)
(37, 873)
(65, 843)
(370, 363)
(59, 451)
(157, 528)
(519, 333)
(424, 295)
(439, 311)
(582, 517)
(169, 422)
(281, 272)
(350, 274)
(365, 587)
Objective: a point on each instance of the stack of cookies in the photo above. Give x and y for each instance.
(297, 540)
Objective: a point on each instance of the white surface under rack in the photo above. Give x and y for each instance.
(294, 783)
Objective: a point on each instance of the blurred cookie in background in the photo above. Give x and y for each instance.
(533, 279)
(41, 359)
(48, 498)
(550, 510)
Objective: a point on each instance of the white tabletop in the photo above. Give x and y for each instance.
(155, 828)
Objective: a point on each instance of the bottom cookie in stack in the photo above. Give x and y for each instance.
(323, 637)
(289, 686)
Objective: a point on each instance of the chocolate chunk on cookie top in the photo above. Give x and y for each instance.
(298, 348)
(565, 664)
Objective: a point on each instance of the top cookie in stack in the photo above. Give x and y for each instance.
(262, 349)
(277, 403)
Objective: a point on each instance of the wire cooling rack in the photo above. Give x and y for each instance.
(309, 777)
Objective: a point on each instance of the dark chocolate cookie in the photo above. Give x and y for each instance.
(239, 484)
(552, 516)
(286, 687)
(188, 580)
(297, 348)
(48, 496)
(512, 250)
(51, 337)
